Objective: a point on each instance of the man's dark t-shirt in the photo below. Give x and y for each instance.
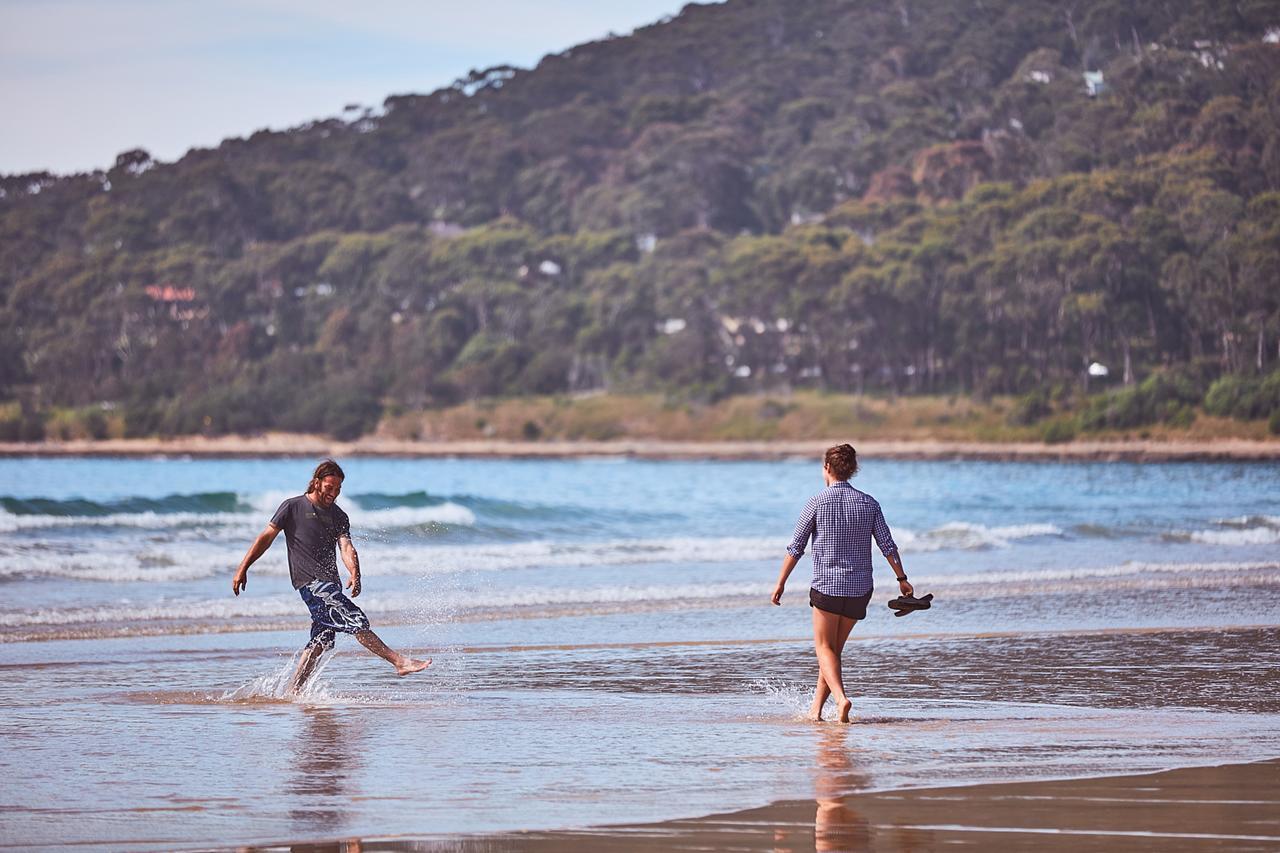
(312, 534)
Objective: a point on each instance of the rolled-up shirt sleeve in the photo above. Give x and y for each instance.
(880, 529)
(804, 529)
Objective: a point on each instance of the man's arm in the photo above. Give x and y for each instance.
(352, 561)
(256, 550)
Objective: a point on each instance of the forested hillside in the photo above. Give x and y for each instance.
(962, 196)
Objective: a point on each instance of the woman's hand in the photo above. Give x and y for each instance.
(906, 588)
(777, 592)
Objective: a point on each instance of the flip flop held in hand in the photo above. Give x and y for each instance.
(904, 604)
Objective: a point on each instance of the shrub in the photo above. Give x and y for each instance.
(1274, 423)
(1181, 416)
(1059, 432)
(772, 410)
(1244, 397)
(27, 426)
(1269, 391)
(1233, 396)
(546, 373)
(1030, 408)
(141, 420)
(344, 413)
(1165, 396)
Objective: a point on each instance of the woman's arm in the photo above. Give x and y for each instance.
(788, 563)
(805, 528)
(884, 538)
(896, 563)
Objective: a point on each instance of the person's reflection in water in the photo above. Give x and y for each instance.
(352, 846)
(326, 764)
(836, 826)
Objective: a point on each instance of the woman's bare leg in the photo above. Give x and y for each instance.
(822, 691)
(828, 634)
(820, 694)
(404, 665)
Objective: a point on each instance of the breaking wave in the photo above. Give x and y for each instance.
(1245, 530)
(193, 561)
(964, 536)
(221, 510)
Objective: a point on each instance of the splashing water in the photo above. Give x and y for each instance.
(791, 698)
(437, 601)
(275, 686)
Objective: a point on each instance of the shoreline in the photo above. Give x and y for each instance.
(312, 446)
(271, 625)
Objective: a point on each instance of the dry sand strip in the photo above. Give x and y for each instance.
(1231, 807)
(312, 447)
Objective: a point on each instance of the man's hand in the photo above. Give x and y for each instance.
(906, 588)
(777, 592)
(354, 584)
(256, 550)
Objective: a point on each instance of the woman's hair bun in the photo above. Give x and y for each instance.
(842, 460)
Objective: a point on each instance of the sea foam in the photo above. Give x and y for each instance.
(432, 604)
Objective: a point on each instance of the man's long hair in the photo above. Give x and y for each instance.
(327, 468)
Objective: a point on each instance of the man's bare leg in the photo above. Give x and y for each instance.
(404, 665)
(310, 657)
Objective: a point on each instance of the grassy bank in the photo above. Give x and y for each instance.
(792, 417)
(799, 416)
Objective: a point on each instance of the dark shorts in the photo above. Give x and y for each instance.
(853, 606)
(331, 611)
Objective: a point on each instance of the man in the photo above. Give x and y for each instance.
(313, 526)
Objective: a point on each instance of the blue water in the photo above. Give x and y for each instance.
(604, 648)
(92, 547)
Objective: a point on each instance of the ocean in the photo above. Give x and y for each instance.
(604, 648)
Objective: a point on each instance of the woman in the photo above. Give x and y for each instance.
(841, 520)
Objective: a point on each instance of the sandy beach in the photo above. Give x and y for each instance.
(1229, 807)
(311, 446)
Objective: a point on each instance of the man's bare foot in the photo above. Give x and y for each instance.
(845, 707)
(410, 665)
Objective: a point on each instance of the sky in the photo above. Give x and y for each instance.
(83, 80)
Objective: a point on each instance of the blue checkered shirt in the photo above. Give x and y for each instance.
(842, 521)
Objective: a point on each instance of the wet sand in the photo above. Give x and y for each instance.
(309, 446)
(1231, 807)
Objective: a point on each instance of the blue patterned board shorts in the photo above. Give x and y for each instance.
(331, 611)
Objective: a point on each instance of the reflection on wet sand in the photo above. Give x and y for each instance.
(353, 845)
(326, 757)
(1234, 807)
(837, 825)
